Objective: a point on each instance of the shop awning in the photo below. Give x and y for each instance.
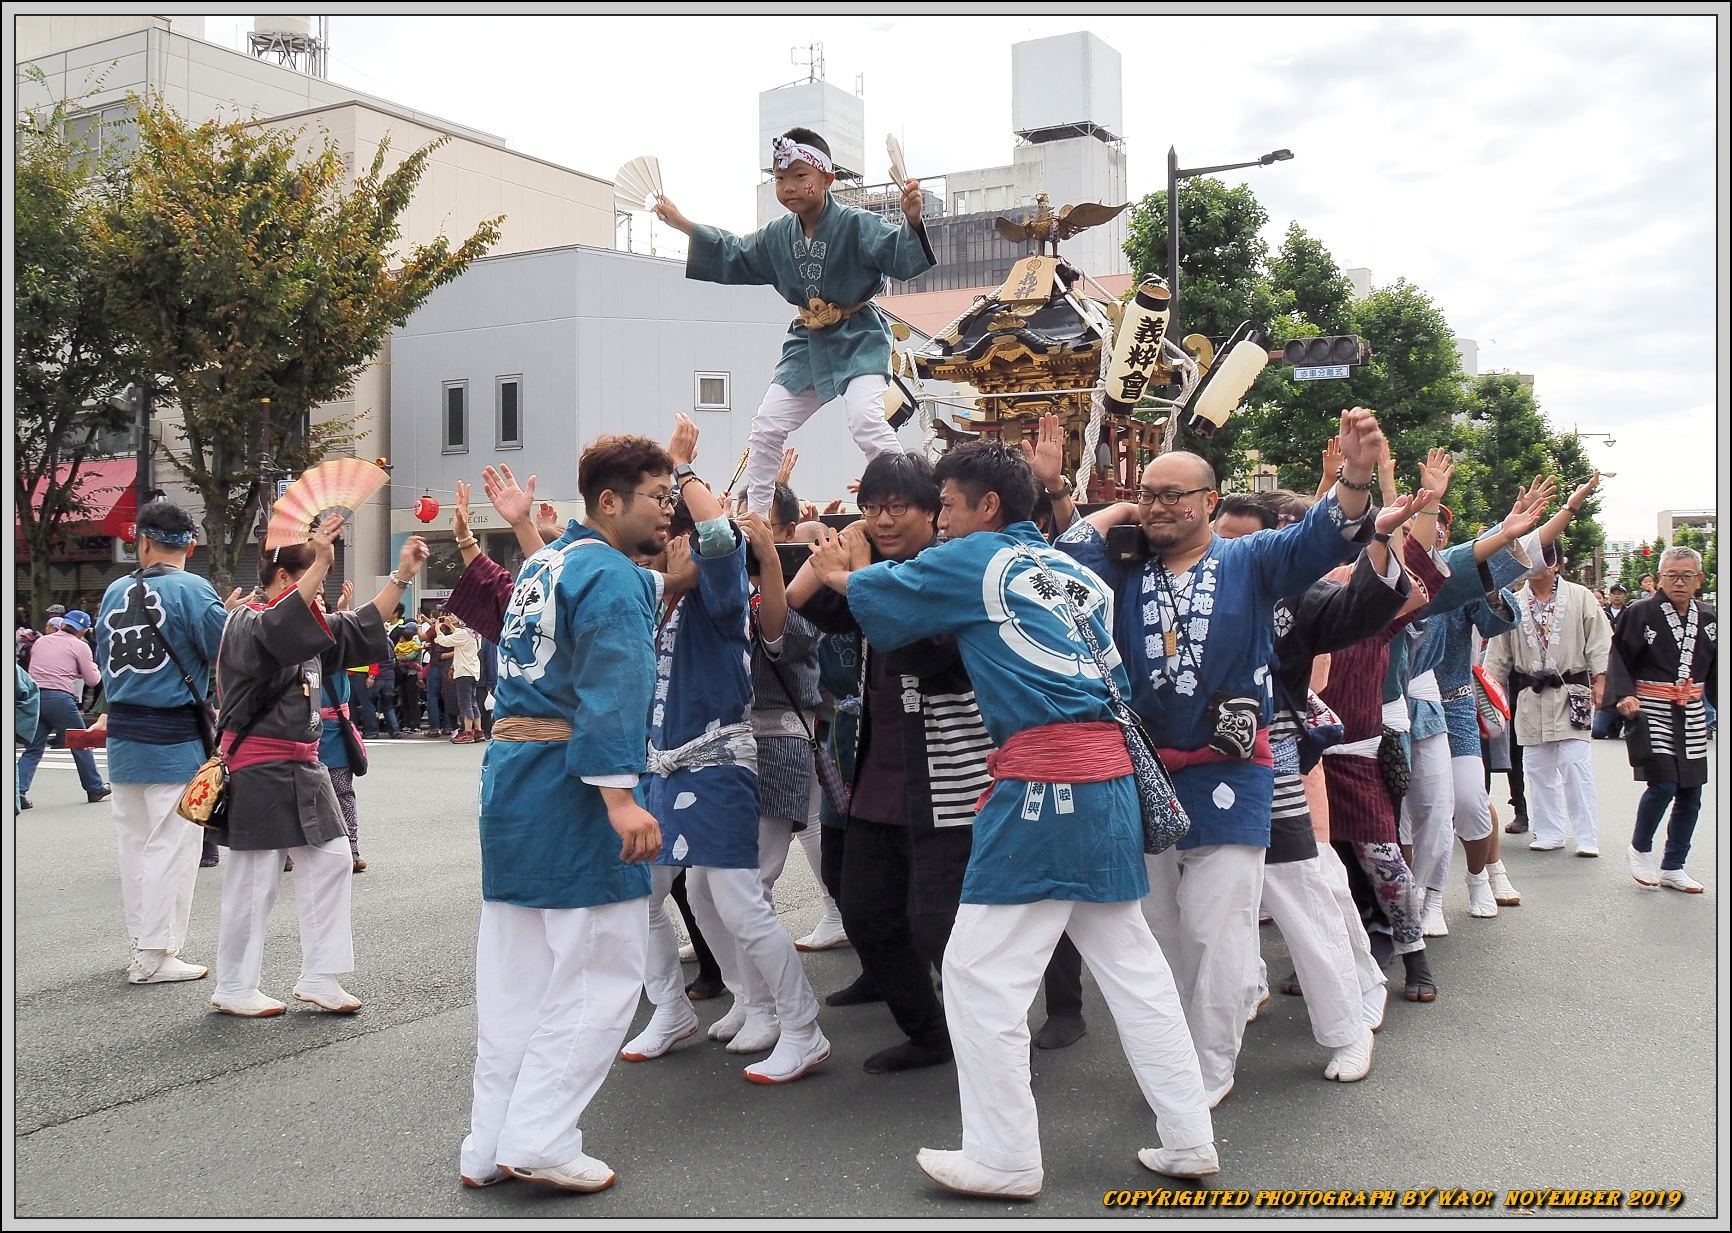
(107, 497)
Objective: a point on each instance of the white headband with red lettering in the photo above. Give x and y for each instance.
(785, 151)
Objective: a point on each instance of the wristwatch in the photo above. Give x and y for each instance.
(1383, 537)
(1063, 487)
(682, 473)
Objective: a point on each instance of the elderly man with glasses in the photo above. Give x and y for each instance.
(1662, 674)
(1195, 623)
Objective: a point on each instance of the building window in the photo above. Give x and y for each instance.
(712, 391)
(508, 413)
(455, 428)
(108, 132)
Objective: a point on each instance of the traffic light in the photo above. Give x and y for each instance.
(1348, 349)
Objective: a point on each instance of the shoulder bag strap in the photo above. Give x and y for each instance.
(206, 732)
(793, 703)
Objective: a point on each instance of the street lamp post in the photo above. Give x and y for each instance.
(1175, 173)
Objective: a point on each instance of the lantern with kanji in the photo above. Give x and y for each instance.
(426, 509)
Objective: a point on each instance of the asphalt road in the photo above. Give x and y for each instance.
(1573, 1045)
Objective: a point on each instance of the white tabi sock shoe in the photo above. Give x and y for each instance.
(1503, 891)
(670, 1025)
(828, 934)
(729, 1024)
(759, 1032)
(798, 1053)
(1351, 1063)
(158, 967)
(1545, 845)
(249, 1005)
(1433, 925)
(688, 953)
(1186, 1162)
(325, 993)
(585, 1174)
(957, 1173)
(1376, 1000)
(1219, 1094)
(1481, 903)
(1262, 1000)
(1644, 868)
(1678, 880)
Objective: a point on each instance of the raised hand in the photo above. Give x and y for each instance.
(912, 202)
(546, 519)
(236, 598)
(790, 458)
(1045, 456)
(1401, 509)
(832, 559)
(683, 445)
(835, 507)
(345, 596)
(762, 539)
(1436, 471)
(670, 214)
(460, 512)
(413, 557)
(1539, 493)
(1579, 497)
(324, 538)
(1361, 443)
(1523, 516)
(511, 502)
(1332, 460)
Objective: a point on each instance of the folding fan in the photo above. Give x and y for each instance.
(341, 483)
(638, 184)
(898, 165)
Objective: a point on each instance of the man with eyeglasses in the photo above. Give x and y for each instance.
(1662, 675)
(1196, 626)
(1556, 660)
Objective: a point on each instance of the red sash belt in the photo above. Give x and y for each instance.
(1680, 694)
(262, 750)
(1060, 753)
(1177, 760)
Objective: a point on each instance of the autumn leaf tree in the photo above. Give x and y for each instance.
(246, 266)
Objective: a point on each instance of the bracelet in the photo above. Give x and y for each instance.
(1341, 478)
(686, 479)
(468, 543)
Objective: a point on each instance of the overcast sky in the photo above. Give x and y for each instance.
(1549, 181)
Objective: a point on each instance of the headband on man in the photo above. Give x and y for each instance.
(784, 151)
(169, 539)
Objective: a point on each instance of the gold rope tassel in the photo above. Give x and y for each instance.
(527, 728)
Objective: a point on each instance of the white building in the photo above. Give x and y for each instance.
(473, 177)
(1671, 519)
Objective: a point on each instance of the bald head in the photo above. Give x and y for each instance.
(1179, 469)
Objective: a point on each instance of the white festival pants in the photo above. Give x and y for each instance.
(324, 882)
(158, 863)
(1203, 908)
(1560, 790)
(759, 964)
(782, 411)
(1352, 924)
(1298, 897)
(555, 989)
(1428, 808)
(1472, 800)
(992, 968)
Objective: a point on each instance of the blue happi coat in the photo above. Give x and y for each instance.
(708, 815)
(1446, 647)
(1225, 639)
(576, 646)
(137, 671)
(1030, 668)
(846, 261)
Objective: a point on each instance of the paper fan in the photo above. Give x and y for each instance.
(638, 184)
(898, 165)
(342, 483)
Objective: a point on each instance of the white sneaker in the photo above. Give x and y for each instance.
(1375, 1000)
(158, 967)
(1545, 845)
(796, 1055)
(1351, 1063)
(1644, 869)
(1263, 998)
(325, 993)
(249, 1005)
(1678, 880)
(728, 1025)
(667, 1027)
(1503, 891)
(1586, 849)
(586, 1175)
(957, 1173)
(688, 953)
(828, 933)
(1187, 1162)
(1481, 903)
(1434, 925)
(758, 1033)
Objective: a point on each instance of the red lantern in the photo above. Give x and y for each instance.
(426, 509)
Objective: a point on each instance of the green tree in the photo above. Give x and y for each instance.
(68, 362)
(247, 267)
(1500, 445)
(1584, 536)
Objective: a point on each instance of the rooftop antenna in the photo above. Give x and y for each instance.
(813, 59)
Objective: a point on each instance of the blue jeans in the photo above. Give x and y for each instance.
(1686, 804)
(1608, 724)
(385, 702)
(435, 708)
(59, 715)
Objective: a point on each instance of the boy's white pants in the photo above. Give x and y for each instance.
(555, 989)
(324, 881)
(782, 411)
(759, 963)
(158, 863)
(992, 968)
